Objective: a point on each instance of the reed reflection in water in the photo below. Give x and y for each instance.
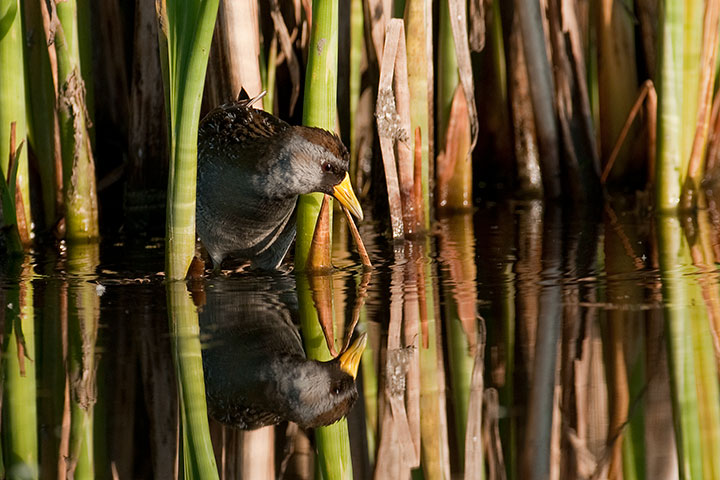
(521, 341)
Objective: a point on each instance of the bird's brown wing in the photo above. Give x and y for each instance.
(238, 123)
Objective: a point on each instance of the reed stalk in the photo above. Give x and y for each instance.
(12, 101)
(671, 164)
(197, 450)
(454, 169)
(19, 389)
(417, 18)
(235, 56)
(448, 76)
(541, 94)
(690, 64)
(78, 165)
(185, 31)
(270, 81)
(357, 44)
(43, 132)
(76, 13)
(319, 110)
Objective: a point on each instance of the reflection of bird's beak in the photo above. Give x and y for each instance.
(343, 191)
(350, 358)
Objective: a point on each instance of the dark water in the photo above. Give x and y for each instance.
(519, 341)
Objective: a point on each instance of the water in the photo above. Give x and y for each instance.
(521, 341)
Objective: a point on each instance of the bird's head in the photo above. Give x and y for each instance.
(320, 163)
(326, 391)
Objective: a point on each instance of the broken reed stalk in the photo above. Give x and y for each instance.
(320, 110)
(458, 21)
(458, 125)
(391, 125)
(454, 167)
(362, 251)
(318, 258)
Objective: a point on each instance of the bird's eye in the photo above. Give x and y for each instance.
(327, 167)
(336, 390)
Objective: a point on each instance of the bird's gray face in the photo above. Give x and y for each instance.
(319, 161)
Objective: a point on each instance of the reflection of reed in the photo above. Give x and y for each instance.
(198, 457)
(83, 316)
(538, 439)
(466, 349)
(692, 359)
(19, 410)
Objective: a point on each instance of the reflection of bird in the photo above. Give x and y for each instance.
(256, 372)
(251, 168)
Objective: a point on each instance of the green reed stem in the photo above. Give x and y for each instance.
(197, 450)
(319, 110)
(670, 162)
(79, 189)
(691, 63)
(186, 29)
(42, 128)
(357, 43)
(270, 77)
(12, 95)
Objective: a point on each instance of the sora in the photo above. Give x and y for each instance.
(251, 168)
(256, 372)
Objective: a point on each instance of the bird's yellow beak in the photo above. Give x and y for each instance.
(350, 358)
(343, 191)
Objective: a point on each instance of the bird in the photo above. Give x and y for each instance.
(255, 369)
(252, 166)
